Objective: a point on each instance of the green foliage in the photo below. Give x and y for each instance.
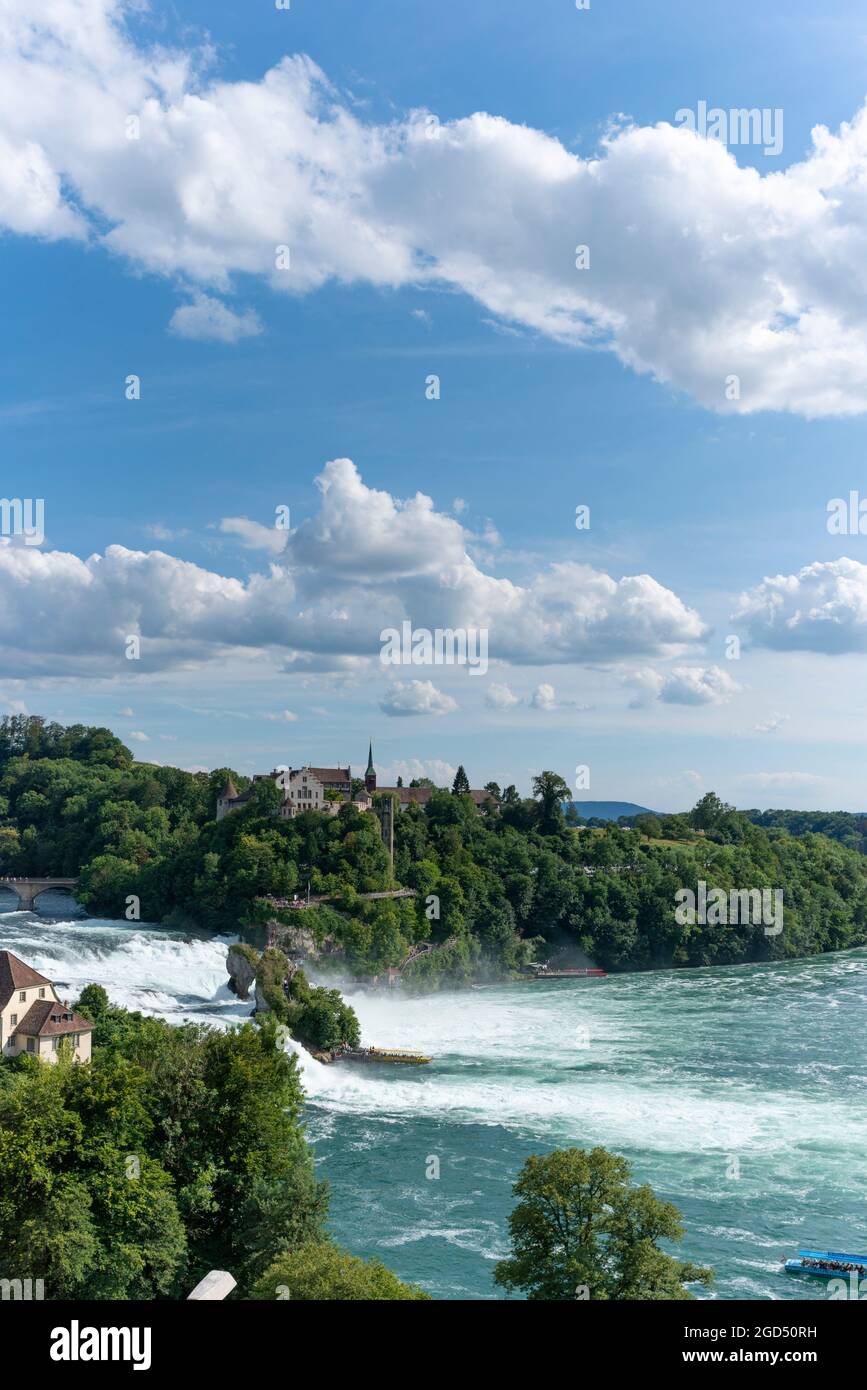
(845, 827)
(93, 1002)
(551, 791)
(176, 1151)
(317, 1017)
(321, 1272)
(461, 784)
(502, 879)
(709, 812)
(580, 1230)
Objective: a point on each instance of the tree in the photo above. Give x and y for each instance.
(649, 825)
(92, 1002)
(707, 813)
(580, 1230)
(320, 1272)
(461, 784)
(550, 791)
(268, 797)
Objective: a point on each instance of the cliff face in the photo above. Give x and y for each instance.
(300, 941)
(241, 965)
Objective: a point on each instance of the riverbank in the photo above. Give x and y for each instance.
(737, 1092)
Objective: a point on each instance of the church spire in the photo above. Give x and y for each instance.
(370, 774)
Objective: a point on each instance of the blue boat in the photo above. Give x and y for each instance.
(827, 1264)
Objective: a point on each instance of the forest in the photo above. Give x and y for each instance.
(496, 888)
(176, 1151)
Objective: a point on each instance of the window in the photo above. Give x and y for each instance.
(42, 994)
(22, 996)
(31, 1044)
(13, 1019)
(55, 1043)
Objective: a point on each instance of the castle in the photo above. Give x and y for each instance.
(327, 789)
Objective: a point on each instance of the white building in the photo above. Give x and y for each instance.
(33, 1019)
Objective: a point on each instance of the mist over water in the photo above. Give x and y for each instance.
(694, 1076)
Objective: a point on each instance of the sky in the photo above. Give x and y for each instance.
(299, 345)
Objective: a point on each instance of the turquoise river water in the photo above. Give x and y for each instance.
(739, 1093)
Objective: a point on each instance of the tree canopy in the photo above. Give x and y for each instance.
(492, 885)
(175, 1151)
(581, 1230)
(320, 1271)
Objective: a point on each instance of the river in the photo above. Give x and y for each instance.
(737, 1092)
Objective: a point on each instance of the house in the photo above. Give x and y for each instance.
(420, 796)
(297, 783)
(304, 790)
(33, 1019)
(334, 779)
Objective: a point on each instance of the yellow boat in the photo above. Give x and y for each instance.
(381, 1054)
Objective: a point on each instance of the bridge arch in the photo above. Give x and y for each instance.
(28, 889)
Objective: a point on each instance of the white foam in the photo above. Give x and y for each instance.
(646, 1063)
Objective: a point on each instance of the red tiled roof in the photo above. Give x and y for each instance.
(48, 1019)
(421, 795)
(14, 974)
(330, 774)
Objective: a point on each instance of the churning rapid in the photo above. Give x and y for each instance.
(737, 1092)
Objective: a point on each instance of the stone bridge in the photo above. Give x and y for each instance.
(28, 889)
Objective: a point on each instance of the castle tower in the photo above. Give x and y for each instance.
(226, 797)
(370, 774)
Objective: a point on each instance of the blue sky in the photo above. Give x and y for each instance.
(450, 256)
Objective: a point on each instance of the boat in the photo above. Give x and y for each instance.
(396, 1055)
(826, 1264)
(545, 972)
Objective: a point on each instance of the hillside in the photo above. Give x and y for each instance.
(493, 887)
(609, 810)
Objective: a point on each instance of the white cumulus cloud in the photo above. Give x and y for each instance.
(416, 697)
(500, 696)
(253, 535)
(683, 685)
(700, 269)
(210, 320)
(365, 561)
(822, 608)
(543, 697)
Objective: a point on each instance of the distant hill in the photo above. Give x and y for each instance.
(609, 810)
